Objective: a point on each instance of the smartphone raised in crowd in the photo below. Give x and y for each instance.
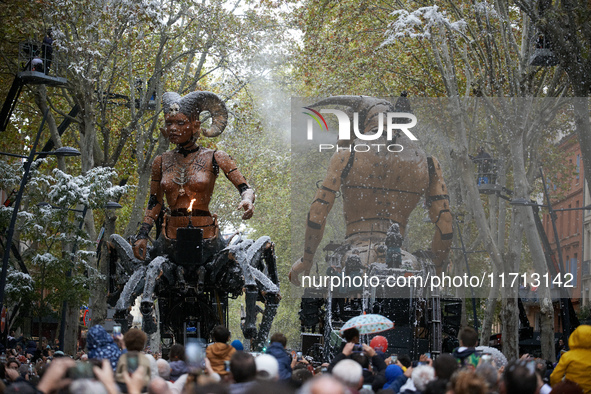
(132, 361)
(195, 353)
(82, 370)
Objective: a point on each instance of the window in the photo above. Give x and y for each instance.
(578, 166)
(562, 233)
(577, 218)
(573, 270)
(569, 223)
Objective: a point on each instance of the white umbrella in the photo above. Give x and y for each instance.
(368, 324)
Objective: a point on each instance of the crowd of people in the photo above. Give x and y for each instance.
(120, 364)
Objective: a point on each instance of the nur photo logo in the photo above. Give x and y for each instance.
(392, 125)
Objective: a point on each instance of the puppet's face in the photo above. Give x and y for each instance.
(179, 129)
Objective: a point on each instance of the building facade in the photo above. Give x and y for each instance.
(570, 223)
(586, 264)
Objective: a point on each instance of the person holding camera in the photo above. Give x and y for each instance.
(366, 356)
(351, 337)
(135, 341)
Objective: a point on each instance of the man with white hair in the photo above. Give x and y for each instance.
(163, 369)
(421, 375)
(324, 384)
(349, 373)
(267, 367)
(158, 386)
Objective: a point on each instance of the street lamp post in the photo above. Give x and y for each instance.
(27, 167)
(552, 213)
(465, 254)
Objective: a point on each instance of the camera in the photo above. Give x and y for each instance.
(116, 330)
(357, 348)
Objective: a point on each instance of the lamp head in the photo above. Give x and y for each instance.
(522, 202)
(65, 151)
(113, 205)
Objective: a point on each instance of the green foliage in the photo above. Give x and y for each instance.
(585, 314)
(51, 237)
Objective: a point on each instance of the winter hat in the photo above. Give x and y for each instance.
(392, 372)
(267, 367)
(101, 346)
(236, 344)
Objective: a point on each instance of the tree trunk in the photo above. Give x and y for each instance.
(71, 331)
(489, 314)
(547, 329)
(522, 190)
(545, 301)
(139, 204)
(101, 290)
(41, 101)
(510, 324)
(510, 310)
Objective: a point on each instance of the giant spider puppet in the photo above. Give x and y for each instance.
(380, 189)
(190, 268)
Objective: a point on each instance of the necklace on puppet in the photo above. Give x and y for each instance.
(181, 177)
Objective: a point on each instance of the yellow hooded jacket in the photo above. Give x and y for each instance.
(575, 364)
